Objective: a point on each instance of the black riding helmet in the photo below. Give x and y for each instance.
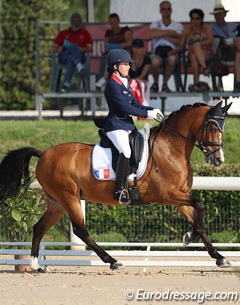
(117, 56)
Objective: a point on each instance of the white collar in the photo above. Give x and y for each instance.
(124, 80)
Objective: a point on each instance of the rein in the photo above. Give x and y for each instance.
(160, 128)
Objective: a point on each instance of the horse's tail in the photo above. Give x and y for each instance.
(13, 168)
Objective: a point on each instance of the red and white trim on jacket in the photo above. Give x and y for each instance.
(117, 79)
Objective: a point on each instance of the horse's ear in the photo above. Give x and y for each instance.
(225, 108)
(218, 106)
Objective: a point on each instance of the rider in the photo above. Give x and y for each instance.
(119, 123)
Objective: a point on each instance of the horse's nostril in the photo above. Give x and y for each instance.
(218, 162)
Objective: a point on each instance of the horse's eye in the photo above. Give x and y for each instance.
(213, 129)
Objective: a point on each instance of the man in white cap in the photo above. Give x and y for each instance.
(230, 39)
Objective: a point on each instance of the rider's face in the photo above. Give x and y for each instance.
(124, 68)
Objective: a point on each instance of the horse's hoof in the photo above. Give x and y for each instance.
(223, 263)
(187, 238)
(43, 270)
(116, 266)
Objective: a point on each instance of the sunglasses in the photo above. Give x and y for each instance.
(195, 18)
(165, 8)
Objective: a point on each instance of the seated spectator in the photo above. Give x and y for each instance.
(165, 35)
(197, 39)
(230, 39)
(115, 38)
(140, 68)
(71, 44)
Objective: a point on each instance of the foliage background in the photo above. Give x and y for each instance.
(18, 45)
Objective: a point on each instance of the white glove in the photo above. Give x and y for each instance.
(155, 114)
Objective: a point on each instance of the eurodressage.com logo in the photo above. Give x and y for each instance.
(199, 297)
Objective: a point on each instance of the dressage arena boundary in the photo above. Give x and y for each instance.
(201, 183)
(137, 257)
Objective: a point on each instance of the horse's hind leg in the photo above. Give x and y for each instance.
(196, 215)
(51, 216)
(81, 231)
(76, 215)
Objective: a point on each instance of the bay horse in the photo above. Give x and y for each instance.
(65, 174)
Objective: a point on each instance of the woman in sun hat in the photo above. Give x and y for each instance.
(229, 40)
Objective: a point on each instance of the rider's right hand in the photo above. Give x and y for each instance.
(155, 114)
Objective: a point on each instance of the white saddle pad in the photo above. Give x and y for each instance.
(102, 161)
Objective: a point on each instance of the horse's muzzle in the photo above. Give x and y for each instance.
(215, 158)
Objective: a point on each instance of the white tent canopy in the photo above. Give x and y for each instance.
(148, 11)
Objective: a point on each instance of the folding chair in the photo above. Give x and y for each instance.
(57, 68)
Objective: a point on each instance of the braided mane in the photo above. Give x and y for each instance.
(174, 113)
(184, 107)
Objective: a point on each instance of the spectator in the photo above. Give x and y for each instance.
(71, 44)
(115, 38)
(165, 34)
(139, 71)
(230, 39)
(198, 39)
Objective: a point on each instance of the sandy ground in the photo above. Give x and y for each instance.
(99, 285)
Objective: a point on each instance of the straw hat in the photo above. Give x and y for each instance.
(218, 8)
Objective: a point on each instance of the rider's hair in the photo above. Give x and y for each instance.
(111, 69)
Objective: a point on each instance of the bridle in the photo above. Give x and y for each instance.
(219, 122)
(216, 119)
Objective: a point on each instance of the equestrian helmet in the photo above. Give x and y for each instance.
(117, 56)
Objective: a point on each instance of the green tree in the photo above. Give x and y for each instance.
(17, 57)
(101, 9)
(18, 44)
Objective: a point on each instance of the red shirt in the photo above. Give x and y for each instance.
(82, 37)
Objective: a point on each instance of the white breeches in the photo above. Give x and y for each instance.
(120, 139)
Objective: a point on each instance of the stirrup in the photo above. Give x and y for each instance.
(122, 196)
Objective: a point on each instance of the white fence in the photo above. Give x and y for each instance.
(137, 258)
(204, 183)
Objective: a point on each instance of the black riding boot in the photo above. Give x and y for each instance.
(122, 172)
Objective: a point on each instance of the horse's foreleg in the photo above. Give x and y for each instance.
(198, 226)
(52, 215)
(191, 215)
(194, 215)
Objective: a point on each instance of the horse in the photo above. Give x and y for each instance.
(65, 174)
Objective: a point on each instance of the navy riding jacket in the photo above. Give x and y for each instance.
(122, 105)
